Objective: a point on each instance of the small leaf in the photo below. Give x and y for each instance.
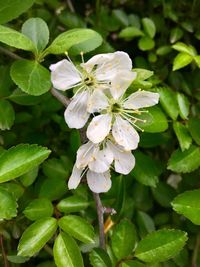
(146, 43)
(183, 135)
(194, 129)
(160, 245)
(17, 259)
(163, 50)
(53, 188)
(181, 60)
(20, 159)
(133, 264)
(36, 236)
(130, 33)
(121, 16)
(149, 27)
(8, 207)
(24, 99)
(123, 239)
(66, 252)
(37, 30)
(184, 162)
(188, 204)
(31, 77)
(164, 194)
(16, 39)
(78, 227)
(99, 258)
(55, 168)
(184, 105)
(7, 115)
(197, 60)
(176, 34)
(72, 204)
(38, 209)
(181, 47)
(145, 223)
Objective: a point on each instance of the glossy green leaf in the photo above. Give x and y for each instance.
(194, 129)
(146, 43)
(24, 99)
(123, 239)
(29, 177)
(181, 60)
(164, 194)
(130, 32)
(184, 105)
(188, 204)
(183, 135)
(145, 223)
(53, 188)
(99, 258)
(36, 236)
(13, 8)
(55, 168)
(16, 39)
(31, 77)
(8, 207)
(38, 209)
(7, 115)
(149, 27)
(160, 245)
(20, 159)
(186, 161)
(17, 259)
(66, 252)
(15, 189)
(77, 227)
(176, 34)
(132, 264)
(72, 204)
(181, 47)
(197, 60)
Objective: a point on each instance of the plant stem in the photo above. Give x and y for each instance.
(60, 97)
(9, 53)
(100, 210)
(196, 250)
(6, 264)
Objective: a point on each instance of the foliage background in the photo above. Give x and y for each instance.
(168, 158)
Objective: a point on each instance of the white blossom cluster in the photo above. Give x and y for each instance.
(100, 93)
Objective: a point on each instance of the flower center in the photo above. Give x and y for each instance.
(89, 81)
(115, 108)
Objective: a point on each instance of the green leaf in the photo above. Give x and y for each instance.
(149, 175)
(163, 50)
(78, 227)
(31, 77)
(15, 189)
(123, 239)
(121, 16)
(188, 204)
(28, 178)
(132, 264)
(75, 41)
(66, 252)
(197, 60)
(168, 101)
(17, 259)
(55, 168)
(145, 223)
(7, 115)
(38, 209)
(13, 8)
(188, 49)
(160, 245)
(16, 39)
(99, 258)
(146, 43)
(183, 135)
(194, 129)
(53, 188)
(24, 99)
(20, 159)
(149, 27)
(37, 30)
(186, 161)
(181, 60)
(184, 105)
(164, 194)
(175, 35)
(130, 32)
(36, 236)
(8, 207)
(72, 204)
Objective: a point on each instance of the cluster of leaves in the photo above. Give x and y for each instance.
(157, 205)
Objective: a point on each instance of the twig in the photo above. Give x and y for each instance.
(6, 264)
(196, 251)
(9, 53)
(70, 5)
(61, 98)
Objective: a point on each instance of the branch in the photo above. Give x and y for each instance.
(6, 264)
(196, 251)
(9, 53)
(60, 97)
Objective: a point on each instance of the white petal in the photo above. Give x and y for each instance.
(99, 128)
(97, 102)
(85, 154)
(75, 178)
(64, 75)
(121, 82)
(124, 134)
(99, 182)
(101, 161)
(76, 114)
(141, 99)
(124, 161)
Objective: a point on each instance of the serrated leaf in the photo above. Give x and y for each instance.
(149, 27)
(8, 207)
(16, 39)
(13, 8)
(72, 204)
(186, 161)
(66, 252)
(183, 135)
(130, 32)
(146, 43)
(20, 159)
(184, 105)
(188, 204)
(160, 245)
(77, 227)
(181, 60)
(36, 236)
(38, 209)
(7, 115)
(99, 258)
(31, 77)
(194, 129)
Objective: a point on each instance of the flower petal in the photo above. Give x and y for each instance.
(99, 182)
(76, 114)
(101, 161)
(64, 75)
(97, 102)
(85, 154)
(75, 178)
(141, 99)
(119, 85)
(124, 134)
(124, 161)
(99, 128)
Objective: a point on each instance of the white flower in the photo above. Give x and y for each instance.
(119, 116)
(103, 71)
